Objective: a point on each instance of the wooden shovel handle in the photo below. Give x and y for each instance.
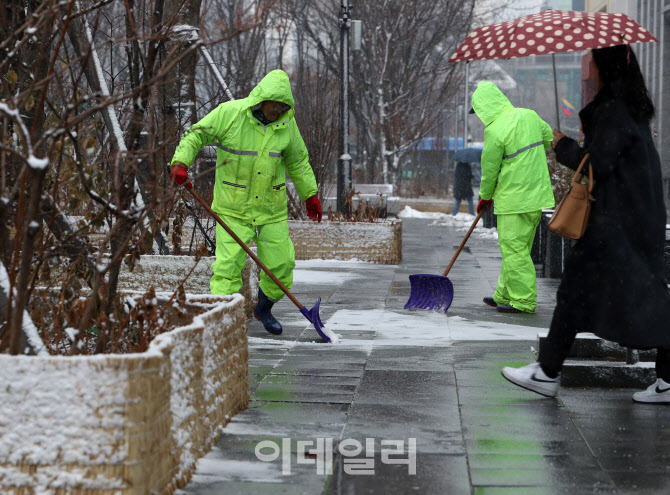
(245, 247)
(465, 239)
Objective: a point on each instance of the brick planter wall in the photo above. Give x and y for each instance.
(379, 242)
(124, 424)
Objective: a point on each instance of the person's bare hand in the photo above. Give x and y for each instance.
(558, 135)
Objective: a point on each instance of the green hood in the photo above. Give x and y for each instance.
(489, 102)
(276, 87)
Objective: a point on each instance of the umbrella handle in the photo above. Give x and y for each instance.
(465, 239)
(558, 115)
(245, 247)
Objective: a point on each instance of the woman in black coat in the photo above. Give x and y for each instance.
(612, 284)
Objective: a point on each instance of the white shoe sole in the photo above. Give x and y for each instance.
(538, 388)
(652, 400)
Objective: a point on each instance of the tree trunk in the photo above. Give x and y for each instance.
(20, 271)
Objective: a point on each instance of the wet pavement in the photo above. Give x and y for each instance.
(409, 411)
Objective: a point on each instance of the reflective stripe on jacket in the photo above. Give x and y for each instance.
(252, 159)
(514, 163)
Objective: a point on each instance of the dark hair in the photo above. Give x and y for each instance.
(620, 72)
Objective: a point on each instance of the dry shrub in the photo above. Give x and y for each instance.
(364, 211)
(134, 321)
(560, 175)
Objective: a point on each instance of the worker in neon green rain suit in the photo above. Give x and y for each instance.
(257, 142)
(516, 176)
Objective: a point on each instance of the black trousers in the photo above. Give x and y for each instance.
(562, 334)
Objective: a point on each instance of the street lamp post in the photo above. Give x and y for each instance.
(467, 105)
(344, 161)
(459, 115)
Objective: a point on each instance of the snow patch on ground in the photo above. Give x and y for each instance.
(321, 277)
(423, 328)
(409, 328)
(269, 343)
(461, 222)
(215, 467)
(334, 337)
(409, 212)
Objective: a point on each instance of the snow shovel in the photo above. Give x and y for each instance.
(312, 314)
(436, 291)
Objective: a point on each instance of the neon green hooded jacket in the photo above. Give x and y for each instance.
(252, 159)
(514, 164)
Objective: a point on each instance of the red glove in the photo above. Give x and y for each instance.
(314, 208)
(179, 174)
(484, 204)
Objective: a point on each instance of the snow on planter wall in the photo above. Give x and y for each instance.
(378, 242)
(124, 424)
(165, 273)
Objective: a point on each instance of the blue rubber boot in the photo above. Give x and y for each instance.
(262, 313)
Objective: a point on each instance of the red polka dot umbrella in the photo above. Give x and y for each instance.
(550, 31)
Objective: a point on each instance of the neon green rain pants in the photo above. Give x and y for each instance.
(517, 284)
(275, 250)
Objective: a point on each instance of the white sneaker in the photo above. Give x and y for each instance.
(657, 393)
(532, 378)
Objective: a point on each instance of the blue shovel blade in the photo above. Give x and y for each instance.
(430, 292)
(313, 316)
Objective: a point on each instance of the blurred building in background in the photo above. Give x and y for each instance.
(654, 60)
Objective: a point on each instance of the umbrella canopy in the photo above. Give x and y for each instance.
(468, 155)
(550, 31)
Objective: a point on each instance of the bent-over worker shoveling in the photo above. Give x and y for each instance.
(258, 144)
(311, 314)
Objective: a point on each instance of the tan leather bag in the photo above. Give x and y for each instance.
(572, 214)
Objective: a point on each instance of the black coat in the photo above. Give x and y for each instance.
(612, 284)
(463, 181)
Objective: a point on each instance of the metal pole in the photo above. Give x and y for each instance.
(447, 124)
(459, 113)
(466, 107)
(344, 162)
(558, 117)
